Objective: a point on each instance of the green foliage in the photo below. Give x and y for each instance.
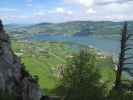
(120, 95)
(81, 78)
(36, 79)
(42, 59)
(24, 72)
(7, 96)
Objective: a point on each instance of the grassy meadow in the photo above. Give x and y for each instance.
(43, 58)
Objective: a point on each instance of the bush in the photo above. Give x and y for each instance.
(120, 95)
(7, 96)
(81, 78)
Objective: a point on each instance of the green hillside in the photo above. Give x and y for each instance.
(45, 58)
(70, 28)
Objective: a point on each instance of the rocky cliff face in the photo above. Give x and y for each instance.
(13, 78)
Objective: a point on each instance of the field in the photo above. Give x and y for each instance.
(43, 58)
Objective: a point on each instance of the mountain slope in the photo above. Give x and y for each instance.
(75, 27)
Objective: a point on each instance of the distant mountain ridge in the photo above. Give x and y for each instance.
(72, 28)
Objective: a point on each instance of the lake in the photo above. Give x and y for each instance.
(109, 45)
(105, 44)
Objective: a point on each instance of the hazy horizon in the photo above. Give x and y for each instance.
(65, 22)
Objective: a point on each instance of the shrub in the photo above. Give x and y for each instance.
(7, 96)
(81, 78)
(120, 95)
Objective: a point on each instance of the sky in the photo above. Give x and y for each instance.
(37, 11)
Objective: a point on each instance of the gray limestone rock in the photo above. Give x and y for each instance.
(11, 77)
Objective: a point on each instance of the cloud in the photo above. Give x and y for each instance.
(63, 11)
(69, 12)
(91, 11)
(118, 18)
(13, 18)
(8, 9)
(98, 9)
(105, 2)
(84, 3)
(59, 10)
(39, 13)
(90, 3)
(29, 3)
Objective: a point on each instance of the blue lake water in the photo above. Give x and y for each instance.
(109, 45)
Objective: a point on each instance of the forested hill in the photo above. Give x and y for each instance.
(71, 28)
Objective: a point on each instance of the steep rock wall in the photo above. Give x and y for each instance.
(12, 76)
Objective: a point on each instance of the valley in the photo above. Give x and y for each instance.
(44, 59)
(45, 53)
